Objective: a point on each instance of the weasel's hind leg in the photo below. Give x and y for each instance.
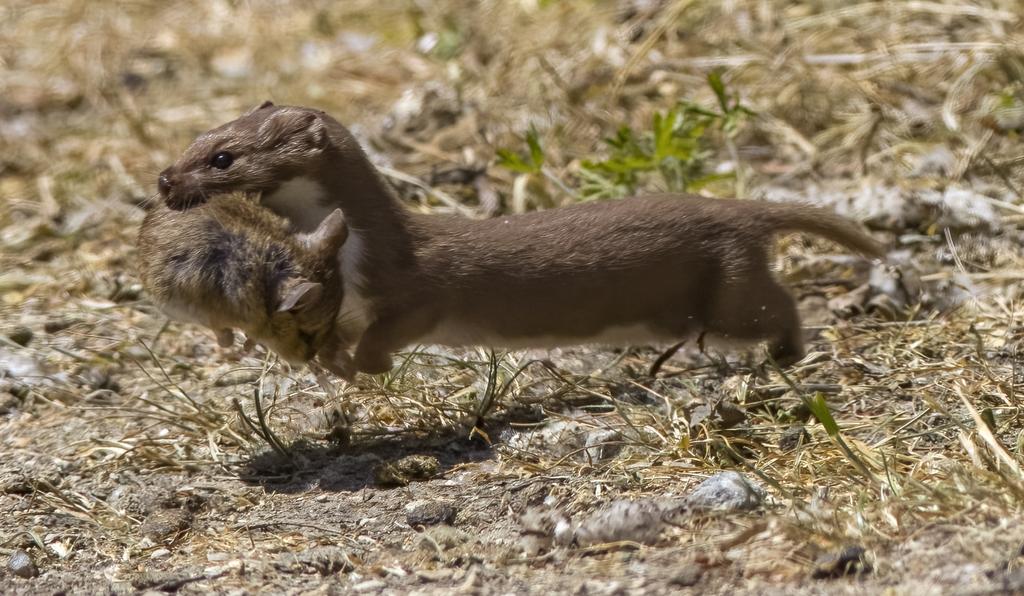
(759, 309)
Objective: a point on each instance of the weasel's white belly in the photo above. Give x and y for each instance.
(356, 312)
(459, 334)
(301, 200)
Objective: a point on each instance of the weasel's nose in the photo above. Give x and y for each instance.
(163, 183)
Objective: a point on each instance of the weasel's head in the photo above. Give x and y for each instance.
(254, 153)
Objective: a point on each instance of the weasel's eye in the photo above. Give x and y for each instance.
(222, 160)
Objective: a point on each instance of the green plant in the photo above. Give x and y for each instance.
(676, 149)
(533, 179)
(530, 163)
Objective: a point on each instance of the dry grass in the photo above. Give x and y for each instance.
(888, 110)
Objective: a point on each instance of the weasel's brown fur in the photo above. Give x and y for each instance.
(231, 263)
(641, 269)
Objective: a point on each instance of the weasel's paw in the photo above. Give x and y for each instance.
(373, 364)
(338, 362)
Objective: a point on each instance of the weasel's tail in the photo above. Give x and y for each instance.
(796, 217)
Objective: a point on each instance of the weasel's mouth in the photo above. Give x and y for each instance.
(184, 203)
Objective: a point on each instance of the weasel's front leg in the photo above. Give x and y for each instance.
(335, 357)
(387, 335)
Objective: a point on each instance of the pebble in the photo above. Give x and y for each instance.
(325, 560)
(407, 469)
(429, 513)
(793, 437)
(635, 521)
(58, 324)
(100, 378)
(368, 586)
(442, 538)
(726, 491)
(851, 560)
(165, 523)
(21, 565)
(160, 553)
(688, 576)
(21, 335)
(8, 404)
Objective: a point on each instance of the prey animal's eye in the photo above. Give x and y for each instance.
(222, 160)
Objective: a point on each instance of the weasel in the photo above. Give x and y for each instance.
(641, 269)
(232, 263)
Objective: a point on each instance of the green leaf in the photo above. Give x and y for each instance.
(715, 81)
(531, 163)
(511, 160)
(536, 151)
(820, 410)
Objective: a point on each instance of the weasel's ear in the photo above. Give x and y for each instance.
(298, 295)
(295, 125)
(265, 104)
(329, 236)
(317, 131)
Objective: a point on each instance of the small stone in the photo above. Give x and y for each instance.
(688, 576)
(602, 444)
(851, 303)
(429, 513)
(161, 582)
(21, 335)
(730, 414)
(543, 527)
(726, 491)
(164, 524)
(160, 553)
(851, 560)
(793, 437)
(373, 585)
(434, 575)
(15, 483)
(635, 521)
(8, 404)
(1012, 582)
(58, 324)
(100, 378)
(20, 366)
(442, 538)
(407, 469)
(324, 560)
(21, 565)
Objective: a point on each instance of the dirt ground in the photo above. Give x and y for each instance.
(136, 456)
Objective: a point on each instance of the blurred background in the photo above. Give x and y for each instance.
(905, 115)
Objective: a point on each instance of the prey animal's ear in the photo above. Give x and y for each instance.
(265, 104)
(329, 236)
(298, 295)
